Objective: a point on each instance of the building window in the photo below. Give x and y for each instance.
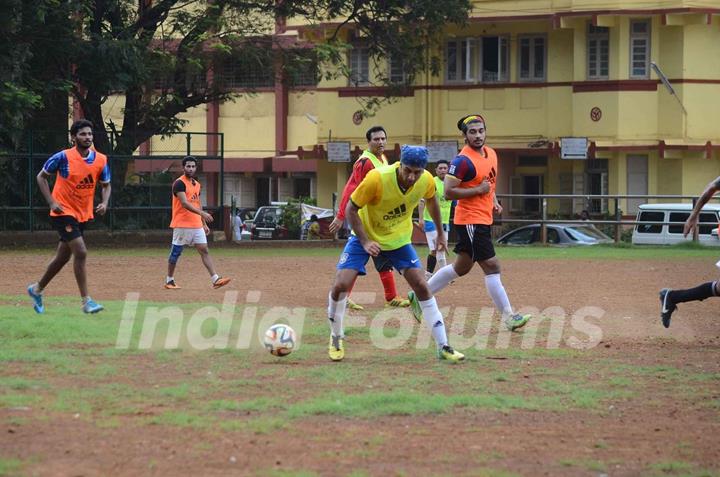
(532, 53)
(301, 68)
(494, 59)
(483, 58)
(640, 49)
(457, 57)
(248, 72)
(598, 51)
(359, 66)
(396, 71)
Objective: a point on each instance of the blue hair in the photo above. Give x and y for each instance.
(414, 156)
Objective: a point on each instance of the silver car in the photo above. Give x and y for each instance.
(557, 234)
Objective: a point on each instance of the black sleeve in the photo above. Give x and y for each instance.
(178, 186)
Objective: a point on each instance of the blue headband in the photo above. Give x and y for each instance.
(414, 156)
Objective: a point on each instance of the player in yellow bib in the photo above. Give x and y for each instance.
(380, 213)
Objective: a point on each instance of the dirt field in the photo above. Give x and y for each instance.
(663, 418)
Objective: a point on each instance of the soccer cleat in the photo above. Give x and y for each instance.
(516, 321)
(448, 353)
(667, 307)
(336, 348)
(36, 298)
(91, 307)
(221, 282)
(397, 302)
(354, 306)
(171, 285)
(415, 307)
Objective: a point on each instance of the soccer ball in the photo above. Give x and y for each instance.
(280, 340)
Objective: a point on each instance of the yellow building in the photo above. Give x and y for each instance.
(538, 71)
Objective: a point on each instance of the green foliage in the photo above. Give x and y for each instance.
(292, 215)
(157, 54)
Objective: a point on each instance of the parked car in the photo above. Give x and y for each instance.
(246, 216)
(557, 234)
(659, 234)
(267, 224)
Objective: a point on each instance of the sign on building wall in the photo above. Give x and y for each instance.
(573, 147)
(442, 150)
(338, 151)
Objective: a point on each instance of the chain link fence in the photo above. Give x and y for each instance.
(141, 184)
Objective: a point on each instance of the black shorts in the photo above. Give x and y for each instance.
(67, 227)
(382, 263)
(476, 241)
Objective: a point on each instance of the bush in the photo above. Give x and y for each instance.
(291, 215)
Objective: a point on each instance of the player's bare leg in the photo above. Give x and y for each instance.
(61, 258)
(424, 304)
(35, 290)
(216, 279)
(79, 253)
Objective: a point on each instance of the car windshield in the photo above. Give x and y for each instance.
(585, 234)
(268, 214)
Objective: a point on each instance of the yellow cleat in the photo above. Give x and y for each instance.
(354, 306)
(448, 353)
(336, 349)
(397, 302)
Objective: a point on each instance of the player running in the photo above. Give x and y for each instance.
(471, 181)
(189, 224)
(380, 212)
(670, 298)
(77, 172)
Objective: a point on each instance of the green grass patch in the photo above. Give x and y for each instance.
(10, 467)
(679, 468)
(407, 402)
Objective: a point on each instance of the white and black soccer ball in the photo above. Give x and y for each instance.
(280, 339)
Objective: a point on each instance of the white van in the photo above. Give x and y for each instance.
(658, 234)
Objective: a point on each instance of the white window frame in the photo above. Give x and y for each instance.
(461, 70)
(640, 40)
(359, 60)
(393, 77)
(532, 62)
(468, 65)
(597, 37)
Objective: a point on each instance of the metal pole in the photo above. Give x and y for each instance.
(187, 144)
(543, 227)
(30, 186)
(696, 231)
(221, 199)
(617, 217)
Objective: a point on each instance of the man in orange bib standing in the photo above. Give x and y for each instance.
(371, 158)
(77, 172)
(189, 224)
(471, 181)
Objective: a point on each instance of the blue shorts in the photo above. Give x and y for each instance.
(430, 226)
(354, 257)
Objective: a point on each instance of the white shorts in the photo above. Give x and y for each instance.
(431, 237)
(184, 236)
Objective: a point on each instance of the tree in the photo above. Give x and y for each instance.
(165, 56)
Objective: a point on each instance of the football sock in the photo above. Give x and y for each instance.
(442, 278)
(431, 262)
(434, 320)
(85, 299)
(214, 278)
(169, 279)
(36, 288)
(699, 293)
(336, 311)
(388, 281)
(497, 292)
